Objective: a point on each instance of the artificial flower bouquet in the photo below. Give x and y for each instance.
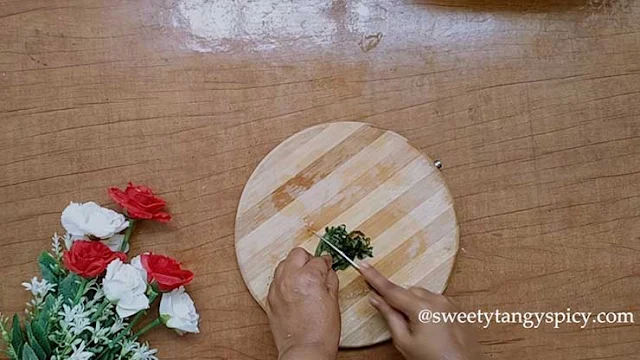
(90, 299)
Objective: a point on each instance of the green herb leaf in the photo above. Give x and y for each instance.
(18, 351)
(48, 266)
(353, 244)
(17, 337)
(45, 312)
(69, 286)
(37, 349)
(28, 354)
(41, 336)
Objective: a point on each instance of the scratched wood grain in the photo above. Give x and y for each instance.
(533, 106)
(367, 178)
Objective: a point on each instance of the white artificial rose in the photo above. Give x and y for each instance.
(124, 286)
(137, 263)
(92, 219)
(178, 312)
(115, 243)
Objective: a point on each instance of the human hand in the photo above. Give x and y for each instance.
(302, 307)
(416, 340)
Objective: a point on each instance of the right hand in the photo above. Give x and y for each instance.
(416, 340)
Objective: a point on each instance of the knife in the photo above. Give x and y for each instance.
(335, 248)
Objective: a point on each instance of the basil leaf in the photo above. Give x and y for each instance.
(353, 244)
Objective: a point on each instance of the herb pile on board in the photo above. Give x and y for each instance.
(353, 244)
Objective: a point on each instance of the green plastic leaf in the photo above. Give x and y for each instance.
(41, 336)
(28, 353)
(45, 312)
(17, 337)
(48, 264)
(37, 349)
(69, 286)
(15, 355)
(19, 351)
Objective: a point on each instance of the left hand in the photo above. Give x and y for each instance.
(302, 307)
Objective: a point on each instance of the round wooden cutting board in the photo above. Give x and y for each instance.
(370, 179)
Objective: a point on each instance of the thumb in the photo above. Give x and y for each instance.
(394, 319)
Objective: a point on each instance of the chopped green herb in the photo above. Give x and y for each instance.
(353, 244)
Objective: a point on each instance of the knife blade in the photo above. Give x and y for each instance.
(335, 248)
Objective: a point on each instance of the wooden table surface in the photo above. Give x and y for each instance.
(533, 106)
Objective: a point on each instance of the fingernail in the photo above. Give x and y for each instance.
(365, 265)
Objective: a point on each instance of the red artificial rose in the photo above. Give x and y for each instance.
(89, 259)
(165, 271)
(140, 202)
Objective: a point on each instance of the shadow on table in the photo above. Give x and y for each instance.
(531, 6)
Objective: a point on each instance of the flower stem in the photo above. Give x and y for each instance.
(98, 312)
(80, 291)
(107, 354)
(133, 322)
(152, 297)
(127, 234)
(149, 326)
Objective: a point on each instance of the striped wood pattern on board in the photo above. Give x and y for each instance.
(362, 176)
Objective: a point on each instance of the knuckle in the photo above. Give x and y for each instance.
(312, 276)
(388, 286)
(316, 274)
(278, 270)
(418, 291)
(444, 302)
(298, 251)
(271, 297)
(282, 287)
(424, 304)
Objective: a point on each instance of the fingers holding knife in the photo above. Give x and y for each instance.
(396, 296)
